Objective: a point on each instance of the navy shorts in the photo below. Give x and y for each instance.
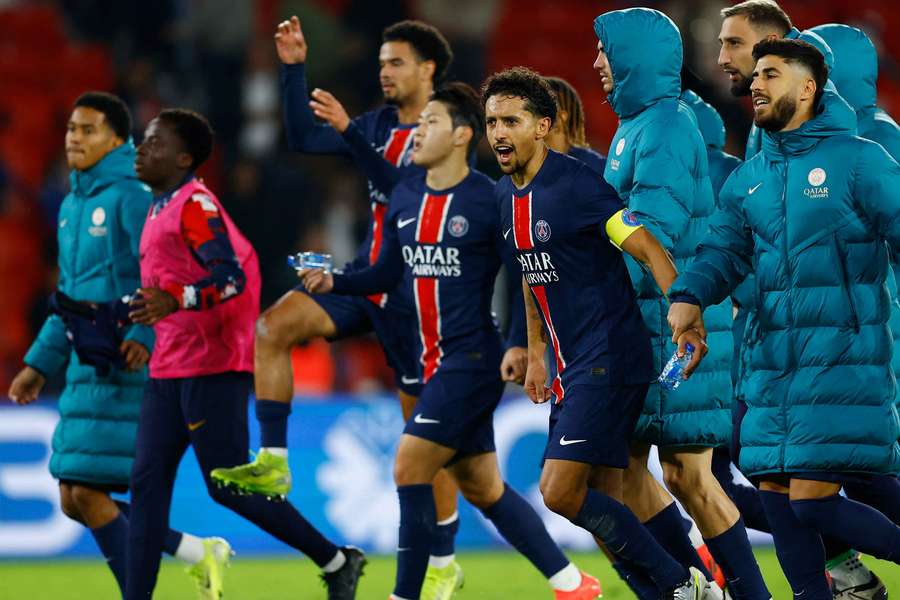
(594, 424)
(456, 410)
(356, 315)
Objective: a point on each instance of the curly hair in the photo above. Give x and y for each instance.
(193, 130)
(427, 42)
(525, 83)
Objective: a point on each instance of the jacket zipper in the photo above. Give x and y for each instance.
(845, 283)
(790, 297)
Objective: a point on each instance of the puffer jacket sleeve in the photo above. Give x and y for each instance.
(133, 214)
(877, 182)
(50, 351)
(724, 256)
(662, 197)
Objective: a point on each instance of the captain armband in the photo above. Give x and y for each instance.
(620, 226)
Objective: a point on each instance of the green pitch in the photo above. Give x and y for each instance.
(489, 575)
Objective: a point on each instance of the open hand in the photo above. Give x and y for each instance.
(151, 305)
(328, 108)
(290, 43)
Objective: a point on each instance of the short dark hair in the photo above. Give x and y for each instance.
(193, 130)
(464, 106)
(525, 83)
(797, 51)
(113, 108)
(760, 13)
(426, 40)
(567, 100)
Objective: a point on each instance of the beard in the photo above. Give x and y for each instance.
(780, 113)
(741, 87)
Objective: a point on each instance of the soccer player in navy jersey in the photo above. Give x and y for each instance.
(443, 246)
(565, 222)
(567, 134)
(412, 57)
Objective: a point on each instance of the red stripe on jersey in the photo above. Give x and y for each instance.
(397, 144)
(556, 387)
(428, 307)
(522, 222)
(432, 217)
(378, 212)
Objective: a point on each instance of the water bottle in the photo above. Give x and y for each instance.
(673, 373)
(311, 260)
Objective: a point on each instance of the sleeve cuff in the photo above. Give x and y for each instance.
(685, 298)
(177, 292)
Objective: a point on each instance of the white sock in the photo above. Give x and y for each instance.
(567, 580)
(696, 537)
(282, 452)
(450, 519)
(439, 562)
(190, 549)
(335, 563)
(393, 597)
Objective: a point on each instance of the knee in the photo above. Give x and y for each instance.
(84, 498)
(273, 333)
(682, 481)
(561, 499)
(68, 504)
(407, 472)
(810, 511)
(480, 496)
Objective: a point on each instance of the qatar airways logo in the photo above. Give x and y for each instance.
(427, 260)
(537, 268)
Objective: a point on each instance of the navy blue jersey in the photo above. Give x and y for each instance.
(378, 129)
(590, 157)
(445, 248)
(578, 279)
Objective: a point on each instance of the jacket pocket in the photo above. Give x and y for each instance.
(841, 255)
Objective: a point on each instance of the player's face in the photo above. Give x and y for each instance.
(777, 90)
(160, 155)
(601, 65)
(88, 138)
(433, 139)
(401, 72)
(513, 132)
(737, 39)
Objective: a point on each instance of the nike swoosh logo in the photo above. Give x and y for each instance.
(506, 233)
(423, 421)
(754, 188)
(401, 223)
(197, 425)
(564, 442)
(408, 380)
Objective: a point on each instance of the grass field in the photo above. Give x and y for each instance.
(494, 575)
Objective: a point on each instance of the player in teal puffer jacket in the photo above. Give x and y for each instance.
(657, 163)
(99, 228)
(810, 215)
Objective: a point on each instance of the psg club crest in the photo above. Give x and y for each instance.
(629, 219)
(458, 226)
(542, 230)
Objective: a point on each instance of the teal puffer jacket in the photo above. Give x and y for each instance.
(99, 228)
(657, 163)
(819, 384)
(855, 75)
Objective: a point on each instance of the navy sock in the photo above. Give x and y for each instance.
(798, 547)
(834, 547)
(667, 526)
(733, 554)
(417, 523)
(636, 581)
(881, 492)
(859, 525)
(444, 540)
(272, 417)
(521, 526)
(112, 539)
(745, 497)
(173, 538)
(625, 537)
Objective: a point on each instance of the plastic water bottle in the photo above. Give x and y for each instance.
(673, 373)
(311, 260)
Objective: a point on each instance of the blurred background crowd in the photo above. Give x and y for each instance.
(217, 57)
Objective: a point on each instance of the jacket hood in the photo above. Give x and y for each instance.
(645, 53)
(855, 70)
(712, 128)
(833, 117)
(117, 165)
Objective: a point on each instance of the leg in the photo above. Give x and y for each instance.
(745, 497)
(798, 547)
(515, 519)
(445, 502)
(819, 506)
(642, 492)
(161, 442)
(688, 473)
(418, 461)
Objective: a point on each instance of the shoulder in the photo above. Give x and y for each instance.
(590, 157)
(129, 189)
(671, 127)
(407, 191)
